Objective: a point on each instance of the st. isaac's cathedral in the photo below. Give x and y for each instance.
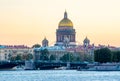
(65, 34)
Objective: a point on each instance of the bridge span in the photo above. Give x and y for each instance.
(10, 64)
(53, 65)
(42, 65)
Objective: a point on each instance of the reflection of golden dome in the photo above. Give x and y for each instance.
(65, 22)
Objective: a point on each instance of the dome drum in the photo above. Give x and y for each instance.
(66, 31)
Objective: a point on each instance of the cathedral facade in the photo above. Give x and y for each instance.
(65, 34)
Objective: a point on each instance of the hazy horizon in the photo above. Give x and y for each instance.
(29, 21)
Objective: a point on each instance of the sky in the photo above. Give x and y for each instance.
(28, 22)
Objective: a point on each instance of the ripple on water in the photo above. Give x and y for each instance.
(59, 75)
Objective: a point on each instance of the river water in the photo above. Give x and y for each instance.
(59, 75)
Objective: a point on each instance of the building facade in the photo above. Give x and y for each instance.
(8, 51)
(56, 51)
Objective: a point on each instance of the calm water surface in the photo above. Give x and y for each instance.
(59, 75)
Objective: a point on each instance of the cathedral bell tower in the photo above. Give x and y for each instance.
(45, 42)
(86, 42)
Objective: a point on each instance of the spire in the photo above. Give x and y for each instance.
(65, 14)
(45, 37)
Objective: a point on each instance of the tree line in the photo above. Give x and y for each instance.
(71, 57)
(104, 55)
(44, 55)
(21, 57)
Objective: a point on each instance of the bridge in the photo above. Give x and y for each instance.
(53, 65)
(42, 65)
(10, 65)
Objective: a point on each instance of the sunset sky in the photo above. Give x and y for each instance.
(29, 21)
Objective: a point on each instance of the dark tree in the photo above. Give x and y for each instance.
(102, 55)
(29, 57)
(13, 58)
(36, 46)
(116, 56)
(79, 57)
(88, 57)
(18, 57)
(44, 55)
(52, 57)
(67, 58)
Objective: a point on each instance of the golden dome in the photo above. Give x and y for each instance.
(65, 22)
